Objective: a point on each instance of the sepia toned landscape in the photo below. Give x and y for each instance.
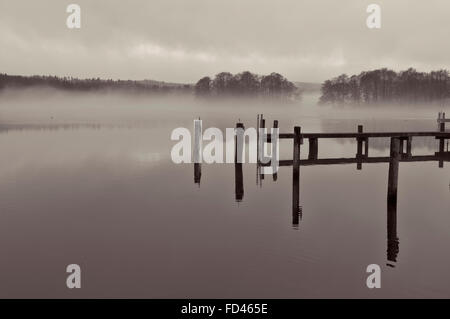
(87, 175)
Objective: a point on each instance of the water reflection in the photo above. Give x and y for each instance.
(392, 239)
(400, 151)
(197, 173)
(5, 127)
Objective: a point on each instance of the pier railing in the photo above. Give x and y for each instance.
(362, 139)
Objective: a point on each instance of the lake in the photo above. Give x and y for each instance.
(88, 179)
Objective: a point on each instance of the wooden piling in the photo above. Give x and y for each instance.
(197, 141)
(238, 159)
(258, 168)
(274, 149)
(257, 137)
(359, 148)
(442, 140)
(313, 148)
(441, 151)
(393, 169)
(296, 176)
(239, 143)
(275, 123)
(392, 240)
(261, 138)
(442, 123)
(296, 151)
(262, 145)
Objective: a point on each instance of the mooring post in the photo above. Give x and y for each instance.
(197, 141)
(274, 148)
(442, 122)
(257, 149)
(392, 241)
(442, 140)
(261, 137)
(258, 122)
(239, 143)
(238, 159)
(393, 169)
(296, 152)
(296, 177)
(441, 152)
(263, 143)
(197, 151)
(359, 148)
(313, 148)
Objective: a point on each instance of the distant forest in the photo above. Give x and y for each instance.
(223, 84)
(246, 84)
(85, 85)
(384, 86)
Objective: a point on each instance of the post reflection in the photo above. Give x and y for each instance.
(239, 182)
(392, 239)
(197, 173)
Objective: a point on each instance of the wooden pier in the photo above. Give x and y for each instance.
(401, 144)
(362, 153)
(401, 147)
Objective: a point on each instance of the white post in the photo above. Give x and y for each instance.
(198, 141)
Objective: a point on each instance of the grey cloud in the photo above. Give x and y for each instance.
(179, 40)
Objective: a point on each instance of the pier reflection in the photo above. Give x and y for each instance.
(396, 157)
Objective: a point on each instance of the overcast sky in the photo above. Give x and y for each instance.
(183, 40)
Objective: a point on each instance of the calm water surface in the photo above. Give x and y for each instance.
(89, 180)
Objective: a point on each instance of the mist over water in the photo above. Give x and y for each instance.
(88, 179)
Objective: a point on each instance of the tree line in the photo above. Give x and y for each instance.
(246, 84)
(384, 85)
(94, 84)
